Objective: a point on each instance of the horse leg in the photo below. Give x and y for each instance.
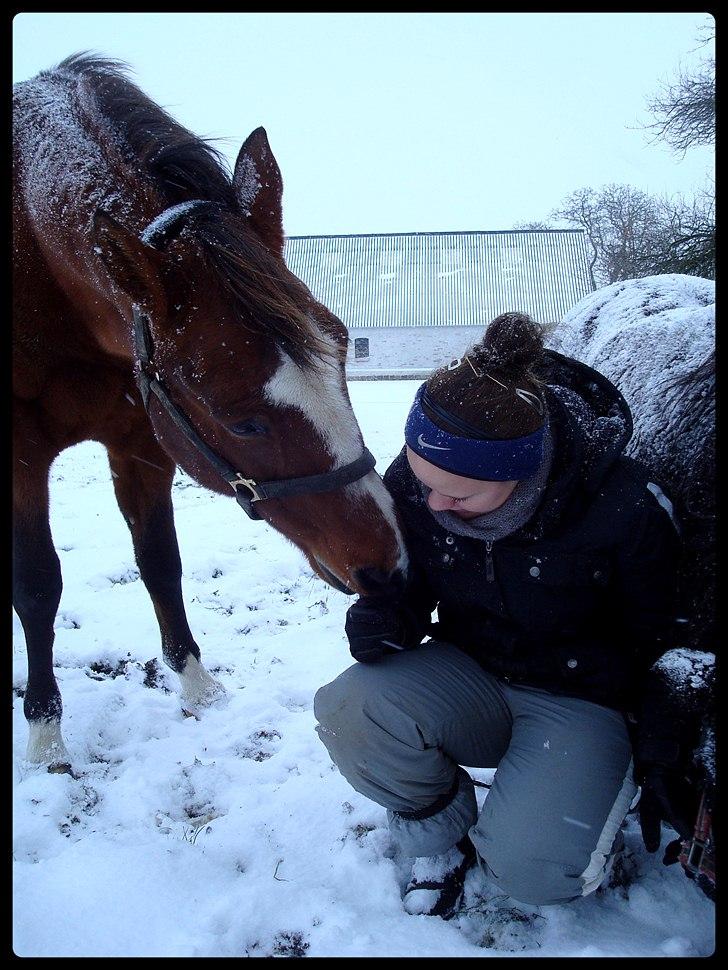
(142, 475)
(37, 589)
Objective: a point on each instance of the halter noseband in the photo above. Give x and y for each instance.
(157, 234)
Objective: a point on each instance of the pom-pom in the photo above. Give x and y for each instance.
(513, 344)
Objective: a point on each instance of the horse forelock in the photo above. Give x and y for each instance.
(270, 302)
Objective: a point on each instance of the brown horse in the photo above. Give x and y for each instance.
(154, 313)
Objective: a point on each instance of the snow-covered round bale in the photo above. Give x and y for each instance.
(654, 338)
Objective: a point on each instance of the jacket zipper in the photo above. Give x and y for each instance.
(489, 570)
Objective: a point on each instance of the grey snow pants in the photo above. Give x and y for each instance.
(400, 730)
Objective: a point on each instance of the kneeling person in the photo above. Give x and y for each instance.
(551, 564)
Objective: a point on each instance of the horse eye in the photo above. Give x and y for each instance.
(249, 429)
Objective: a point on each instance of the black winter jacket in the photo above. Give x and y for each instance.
(580, 600)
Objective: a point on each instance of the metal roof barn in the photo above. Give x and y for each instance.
(443, 279)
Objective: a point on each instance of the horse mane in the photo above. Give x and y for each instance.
(701, 375)
(181, 166)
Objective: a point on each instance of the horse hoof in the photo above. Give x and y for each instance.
(45, 744)
(199, 689)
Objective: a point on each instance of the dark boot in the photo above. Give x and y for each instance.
(436, 884)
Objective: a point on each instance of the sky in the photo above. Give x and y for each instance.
(409, 122)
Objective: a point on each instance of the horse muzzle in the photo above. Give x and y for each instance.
(333, 580)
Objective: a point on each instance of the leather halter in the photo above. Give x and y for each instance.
(247, 491)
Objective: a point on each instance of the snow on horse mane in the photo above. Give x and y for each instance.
(654, 338)
(645, 335)
(59, 158)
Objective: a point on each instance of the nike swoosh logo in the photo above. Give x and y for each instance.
(421, 441)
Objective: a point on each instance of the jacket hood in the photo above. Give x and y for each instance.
(601, 417)
(591, 423)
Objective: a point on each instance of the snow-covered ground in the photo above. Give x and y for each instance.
(234, 835)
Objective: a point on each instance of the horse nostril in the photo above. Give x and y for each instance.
(375, 580)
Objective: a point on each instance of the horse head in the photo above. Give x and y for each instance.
(256, 365)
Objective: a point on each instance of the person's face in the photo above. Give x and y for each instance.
(465, 497)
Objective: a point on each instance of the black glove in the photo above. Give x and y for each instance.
(379, 625)
(668, 793)
(665, 797)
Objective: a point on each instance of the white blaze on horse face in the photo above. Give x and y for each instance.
(384, 500)
(319, 394)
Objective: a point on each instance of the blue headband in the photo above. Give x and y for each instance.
(486, 459)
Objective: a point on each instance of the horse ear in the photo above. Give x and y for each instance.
(259, 187)
(131, 265)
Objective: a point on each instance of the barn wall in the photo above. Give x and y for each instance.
(394, 347)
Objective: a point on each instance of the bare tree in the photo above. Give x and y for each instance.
(633, 234)
(533, 226)
(686, 240)
(684, 109)
(620, 223)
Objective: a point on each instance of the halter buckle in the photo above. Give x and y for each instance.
(251, 485)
